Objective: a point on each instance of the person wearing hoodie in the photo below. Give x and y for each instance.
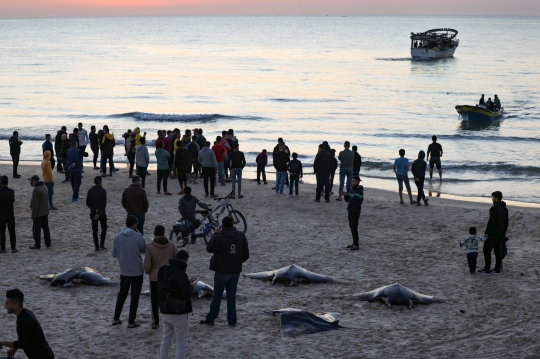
(39, 206)
(96, 200)
(208, 161)
(162, 158)
(495, 232)
(130, 152)
(94, 145)
(354, 200)
(142, 159)
(418, 170)
(237, 162)
(138, 136)
(48, 146)
(158, 252)
(7, 216)
(230, 250)
(128, 245)
(262, 161)
(135, 202)
(46, 169)
(221, 154)
(107, 152)
(294, 168)
(174, 283)
(187, 206)
(75, 167)
(58, 147)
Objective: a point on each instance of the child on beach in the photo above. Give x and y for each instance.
(471, 243)
(295, 172)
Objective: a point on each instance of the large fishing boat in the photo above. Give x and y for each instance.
(478, 113)
(434, 44)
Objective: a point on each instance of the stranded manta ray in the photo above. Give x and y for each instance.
(78, 275)
(292, 273)
(297, 321)
(397, 293)
(200, 289)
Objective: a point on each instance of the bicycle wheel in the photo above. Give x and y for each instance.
(239, 220)
(208, 232)
(177, 237)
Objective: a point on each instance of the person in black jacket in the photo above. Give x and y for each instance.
(31, 337)
(280, 160)
(181, 162)
(64, 148)
(58, 148)
(354, 201)
(174, 286)
(357, 163)
(323, 166)
(94, 145)
(230, 249)
(7, 216)
(96, 200)
(237, 162)
(48, 146)
(295, 172)
(495, 233)
(418, 170)
(15, 152)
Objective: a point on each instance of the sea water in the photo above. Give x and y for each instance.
(307, 79)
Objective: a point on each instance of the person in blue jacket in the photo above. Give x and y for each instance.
(75, 167)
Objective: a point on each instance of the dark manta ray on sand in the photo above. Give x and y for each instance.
(292, 273)
(397, 293)
(78, 275)
(297, 321)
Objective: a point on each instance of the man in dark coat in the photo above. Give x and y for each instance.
(418, 170)
(48, 146)
(495, 233)
(96, 200)
(323, 166)
(7, 216)
(15, 152)
(58, 147)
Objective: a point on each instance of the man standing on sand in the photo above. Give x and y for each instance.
(181, 162)
(230, 250)
(7, 216)
(64, 148)
(15, 152)
(418, 170)
(48, 146)
(58, 147)
(142, 159)
(357, 161)
(435, 149)
(96, 200)
(135, 202)
(401, 168)
(346, 158)
(39, 206)
(237, 162)
(84, 140)
(209, 165)
(221, 154)
(128, 245)
(31, 337)
(495, 232)
(75, 167)
(46, 170)
(94, 145)
(280, 159)
(354, 199)
(322, 166)
(107, 152)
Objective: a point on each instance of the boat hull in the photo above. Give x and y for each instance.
(478, 114)
(425, 53)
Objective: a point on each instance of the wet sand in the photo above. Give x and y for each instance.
(484, 316)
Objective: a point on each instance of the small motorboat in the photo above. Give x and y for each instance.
(434, 44)
(478, 113)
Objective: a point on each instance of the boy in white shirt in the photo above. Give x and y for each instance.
(471, 243)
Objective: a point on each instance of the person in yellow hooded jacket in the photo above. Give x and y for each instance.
(46, 169)
(138, 136)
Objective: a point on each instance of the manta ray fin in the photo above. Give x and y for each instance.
(387, 301)
(410, 304)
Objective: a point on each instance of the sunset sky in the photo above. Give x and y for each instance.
(32, 8)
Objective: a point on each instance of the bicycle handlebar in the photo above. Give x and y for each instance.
(227, 196)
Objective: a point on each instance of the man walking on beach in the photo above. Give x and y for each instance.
(354, 199)
(181, 161)
(94, 145)
(322, 166)
(262, 161)
(346, 158)
(128, 245)
(208, 161)
(495, 232)
(64, 148)
(142, 159)
(7, 216)
(135, 202)
(15, 152)
(237, 162)
(357, 161)
(401, 168)
(75, 167)
(107, 152)
(230, 250)
(435, 149)
(58, 147)
(193, 155)
(39, 207)
(96, 201)
(31, 337)
(280, 160)
(84, 140)
(418, 170)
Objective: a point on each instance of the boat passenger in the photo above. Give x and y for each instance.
(415, 44)
(490, 105)
(497, 103)
(482, 102)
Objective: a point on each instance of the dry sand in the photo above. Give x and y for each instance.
(415, 246)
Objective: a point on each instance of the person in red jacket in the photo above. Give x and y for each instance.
(221, 153)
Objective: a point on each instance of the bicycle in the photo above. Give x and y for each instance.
(183, 228)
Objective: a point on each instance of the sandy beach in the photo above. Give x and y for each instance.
(483, 317)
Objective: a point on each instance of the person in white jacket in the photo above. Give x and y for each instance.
(142, 159)
(207, 159)
(84, 140)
